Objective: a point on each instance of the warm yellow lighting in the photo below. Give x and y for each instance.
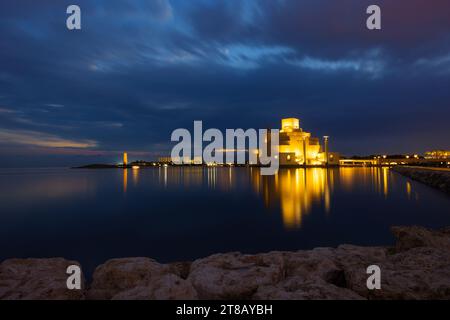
(135, 167)
(125, 180)
(290, 124)
(125, 158)
(408, 189)
(385, 181)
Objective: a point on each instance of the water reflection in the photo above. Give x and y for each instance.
(179, 214)
(125, 180)
(294, 192)
(298, 190)
(135, 176)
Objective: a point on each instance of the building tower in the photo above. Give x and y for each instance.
(125, 159)
(325, 142)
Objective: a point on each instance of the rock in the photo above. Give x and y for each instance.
(167, 287)
(321, 273)
(417, 268)
(138, 278)
(181, 269)
(419, 273)
(433, 177)
(313, 263)
(37, 279)
(413, 237)
(299, 288)
(234, 275)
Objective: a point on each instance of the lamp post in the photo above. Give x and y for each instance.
(325, 142)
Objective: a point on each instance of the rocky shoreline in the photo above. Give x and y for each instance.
(417, 267)
(433, 177)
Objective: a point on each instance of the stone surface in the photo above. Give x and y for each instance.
(138, 278)
(234, 275)
(420, 273)
(418, 267)
(414, 236)
(166, 287)
(299, 288)
(37, 279)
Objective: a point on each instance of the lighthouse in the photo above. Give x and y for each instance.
(125, 159)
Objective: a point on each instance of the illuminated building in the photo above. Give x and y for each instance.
(165, 160)
(125, 159)
(298, 147)
(437, 154)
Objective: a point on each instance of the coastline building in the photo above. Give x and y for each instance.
(125, 159)
(437, 155)
(165, 160)
(298, 147)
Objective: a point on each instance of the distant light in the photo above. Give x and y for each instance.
(135, 167)
(385, 156)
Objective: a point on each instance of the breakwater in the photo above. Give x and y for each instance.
(438, 178)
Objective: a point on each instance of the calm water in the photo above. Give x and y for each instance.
(174, 214)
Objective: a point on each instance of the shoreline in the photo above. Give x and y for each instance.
(438, 178)
(416, 267)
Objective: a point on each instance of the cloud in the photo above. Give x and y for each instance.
(54, 105)
(250, 57)
(40, 139)
(440, 63)
(6, 111)
(139, 69)
(369, 66)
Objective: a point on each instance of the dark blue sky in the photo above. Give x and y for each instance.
(139, 69)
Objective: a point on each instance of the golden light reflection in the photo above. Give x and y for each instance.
(125, 180)
(135, 176)
(408, 189)
(385, 181)
(295, 189)
(378, 178)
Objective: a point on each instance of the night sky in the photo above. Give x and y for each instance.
(140, 69)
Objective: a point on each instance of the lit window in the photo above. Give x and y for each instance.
(288, 157)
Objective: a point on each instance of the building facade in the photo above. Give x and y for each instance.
(438, 154)
(298, 147)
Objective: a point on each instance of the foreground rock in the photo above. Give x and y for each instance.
(37, 279)
(417, 267)
(433, 177)
(139, 278)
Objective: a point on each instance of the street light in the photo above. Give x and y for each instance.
(325, 138)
